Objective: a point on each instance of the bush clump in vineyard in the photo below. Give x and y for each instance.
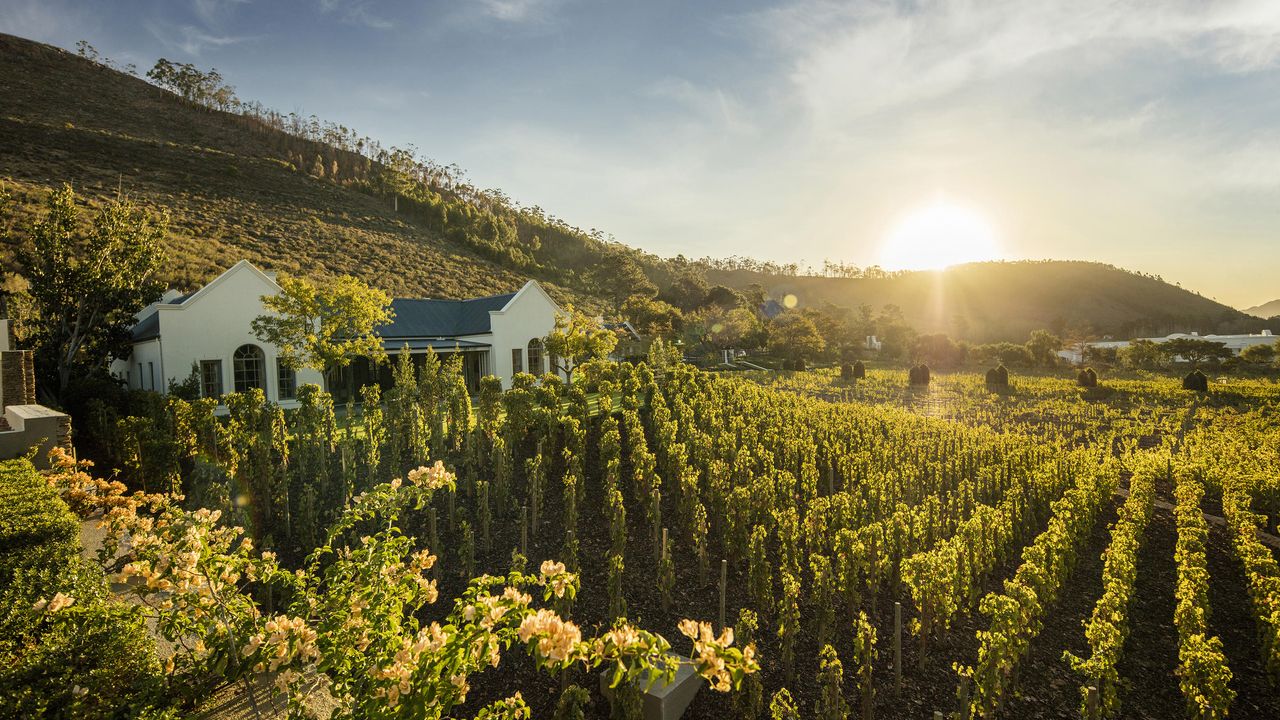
(1087, 378)
(1196, 381)
(919, 375)
(998, 377)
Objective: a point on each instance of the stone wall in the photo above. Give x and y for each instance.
(17, 378)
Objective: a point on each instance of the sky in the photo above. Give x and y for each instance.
(1144, 134)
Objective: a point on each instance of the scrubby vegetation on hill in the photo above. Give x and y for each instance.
(286, 192)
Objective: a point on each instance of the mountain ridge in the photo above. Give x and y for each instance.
(1265, 310)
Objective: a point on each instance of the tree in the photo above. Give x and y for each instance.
(87, 283)
(577, 339)
(795, 336)
(1194, 350)
(688, 290)
(1006, 353)
(1043, 347)
(618, 276)
(893, 332)
(937, 350)
(1142, 354)
(1261, 354)
(324, 327)
(723, 329)
(652, 316)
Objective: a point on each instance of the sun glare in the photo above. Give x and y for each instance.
(938, 235)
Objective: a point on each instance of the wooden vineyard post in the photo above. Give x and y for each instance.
(1091, 703)
(963, 712)
(724, 579)
(524, 530)
(435, 542)
(897, 647)
(484, 517)
(453, 512)
(662, 557)
(831, 478)
(657, 523)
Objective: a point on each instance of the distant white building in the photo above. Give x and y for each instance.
(211, 332)
(873, 343)
(1235, 343)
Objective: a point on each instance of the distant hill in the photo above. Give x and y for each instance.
(1265, 310)
(311, 203)
(992, 301)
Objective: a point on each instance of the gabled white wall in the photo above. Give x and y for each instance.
(530, 314)
(210, 325)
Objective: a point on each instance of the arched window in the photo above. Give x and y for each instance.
(248, 366)
(535, 356)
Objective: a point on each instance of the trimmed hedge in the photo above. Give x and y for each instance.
(94, 659)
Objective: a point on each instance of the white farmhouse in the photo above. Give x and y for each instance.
(210, 332)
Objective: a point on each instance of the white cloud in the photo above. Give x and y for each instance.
(44, 20)
(355, 12)
(518, 11)
(851, 61)
(190, 39)
(709, 109)
(213, 12)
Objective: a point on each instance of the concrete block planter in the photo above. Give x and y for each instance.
(664, 701)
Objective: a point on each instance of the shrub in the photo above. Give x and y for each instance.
(998, 377)
(919, 375)
(1087, 378)
(859, 370)
(846, 372)
(93, 658)
(1195, 381)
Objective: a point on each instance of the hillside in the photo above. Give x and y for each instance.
(238, 187)
(993, 301)
(228, 184)
(1265, 310)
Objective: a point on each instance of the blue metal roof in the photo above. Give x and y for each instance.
(147, 329)
(416, 318)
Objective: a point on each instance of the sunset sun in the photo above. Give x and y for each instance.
(938, 235)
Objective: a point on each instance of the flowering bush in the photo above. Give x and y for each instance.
(350, 613)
